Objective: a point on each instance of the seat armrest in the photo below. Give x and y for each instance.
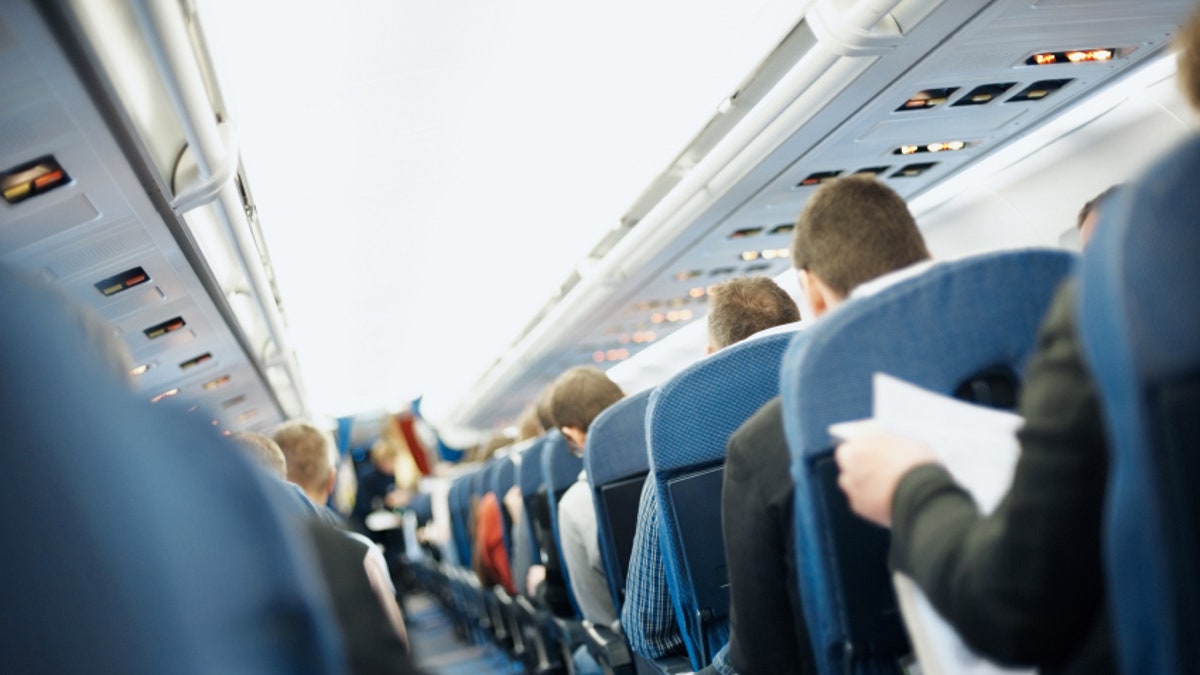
(608, 647)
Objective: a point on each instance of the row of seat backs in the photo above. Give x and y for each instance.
(560, 470)
(937, 330)
(1140, 332)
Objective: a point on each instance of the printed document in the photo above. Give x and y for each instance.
(979, 447)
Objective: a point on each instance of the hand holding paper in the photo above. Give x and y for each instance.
(871, 464)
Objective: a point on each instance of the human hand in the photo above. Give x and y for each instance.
(871, 466)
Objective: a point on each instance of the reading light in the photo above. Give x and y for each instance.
(697, 292)
(139, 370)
(166, 394)
(749, 255)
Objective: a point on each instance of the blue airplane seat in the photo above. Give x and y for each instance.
(617, 465)
(529, 480)
(561, 470)
(689, 420)
(503, 478)
(422, 507)
(1140, 333)
(460, 504)
(135, 539)
(950, 326)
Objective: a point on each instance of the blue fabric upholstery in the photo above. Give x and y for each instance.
(460, 504)
(617, 463)
(135, 539)
(561, 470)
(1140, 330)
(529, 480)
(422, 507)
(503, 478)
(689, 420)
(935, 330)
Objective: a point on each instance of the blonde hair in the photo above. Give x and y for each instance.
(309, 455)
(264, 451)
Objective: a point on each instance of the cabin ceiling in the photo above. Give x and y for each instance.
(428, 187)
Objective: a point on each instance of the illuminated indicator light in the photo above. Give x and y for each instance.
(598, 357)
(166, 394)
(32, 178)
(981, 98)
(685, 314)
(134, 276)
(49, 179)
(908, 149)
(165, 327)
(613, 354)
(139, 370)
(696, 292)
(1044, 59)
(207, 356)
(672, 316)
(746, 232)
(216, 423)
(657, 318)
(227, 433)
(1036, 93)
(818, 178)
(219, 382)
(749, 255)
(18, 192)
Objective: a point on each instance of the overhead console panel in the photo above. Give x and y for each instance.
(912, 91)
(102, 99)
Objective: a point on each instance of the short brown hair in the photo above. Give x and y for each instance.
(741, 307)
(1188, 41)
(580, 394)
(309, 458)
(855, 229)
(264, 451)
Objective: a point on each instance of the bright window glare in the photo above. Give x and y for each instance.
(427, 174)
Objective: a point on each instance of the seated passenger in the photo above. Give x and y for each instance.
(490, 557)
(310, 464)
(376, 485)
(737, 309)
(852, 237)
(579, 395)
(1024, 584)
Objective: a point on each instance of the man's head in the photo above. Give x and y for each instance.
(578, 395)
(1090, 213)
(741, 307)
(309, 459)
(851, 231)
(262, 451)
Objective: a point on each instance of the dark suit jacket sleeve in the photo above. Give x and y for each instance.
(1023, 585)
(766, 634)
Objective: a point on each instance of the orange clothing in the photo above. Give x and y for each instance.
(493, 566)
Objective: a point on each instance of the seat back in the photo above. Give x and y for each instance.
(948, 326)
(529, 480)
(617, 464)
(689, 420)
(136, 539)
(460, 505)
(561, 469)
(422, 508)
(1141, 335)
(503, 477)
